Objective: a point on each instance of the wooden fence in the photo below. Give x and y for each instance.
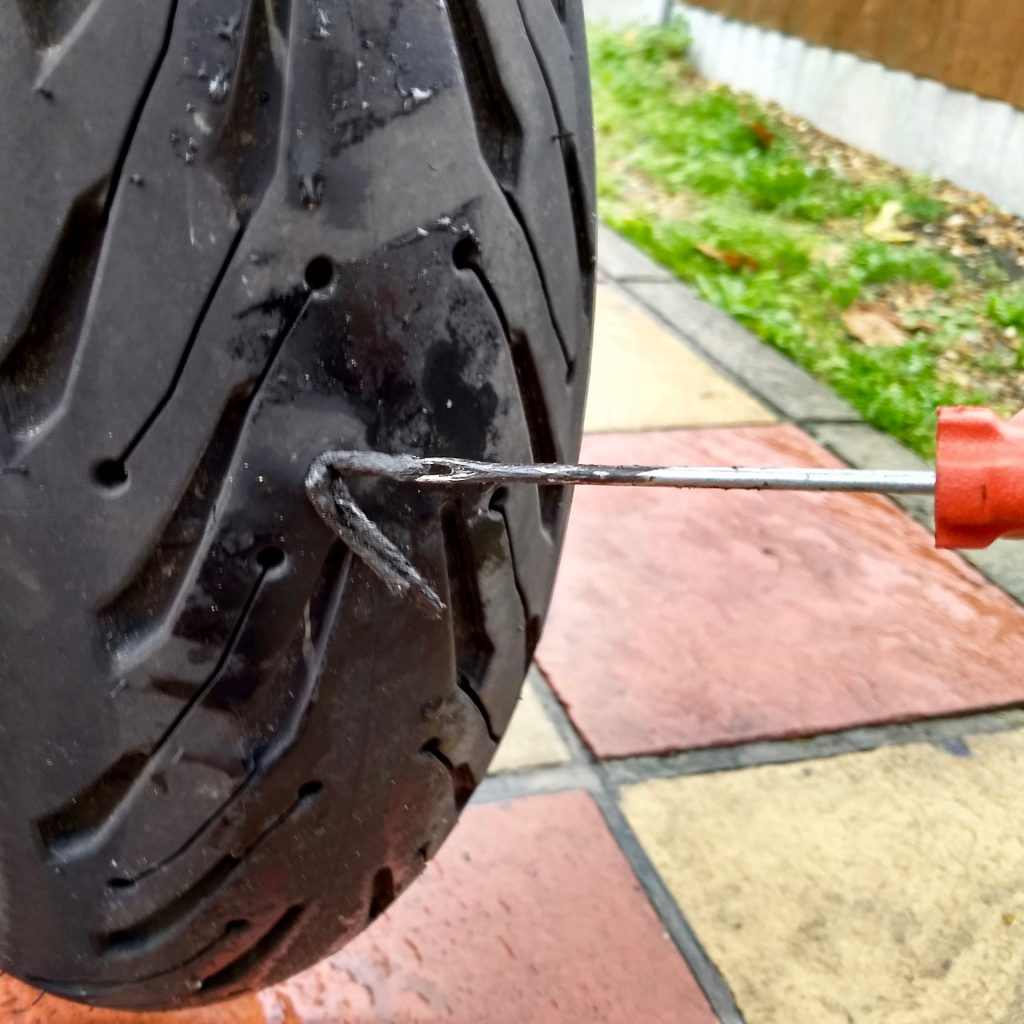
(977, 45)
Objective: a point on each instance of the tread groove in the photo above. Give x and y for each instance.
(35, 371)
(95, 989)
(382, 894)
(256, 109)
(330, 590)
(327, 594)
(517, 213)
(499, 134)
(67, 837)
(474, 696)
(86, 811)
(260, 953)
(159, 580)
(140, 106)
(463, 781)
(179, 370)
(324, 609)
(531, 394)
(474, 648)
(570, 156)
(499, 507)
(150, 596)
(493, 114)
(158, 927)
(585, 237)
(150, 932)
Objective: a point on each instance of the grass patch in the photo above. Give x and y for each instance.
(788, 230)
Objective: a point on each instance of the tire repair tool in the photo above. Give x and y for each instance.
(978, 486)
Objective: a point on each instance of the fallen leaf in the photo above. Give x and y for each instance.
(764, 135)
(886, 227)
(876, 326)
(733, 260)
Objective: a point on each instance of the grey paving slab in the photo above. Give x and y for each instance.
(1003, 564)
(622, 261)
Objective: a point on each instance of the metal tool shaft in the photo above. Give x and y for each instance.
(444, 473)
(337, 507)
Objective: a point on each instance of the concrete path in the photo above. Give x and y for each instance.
(768, 767)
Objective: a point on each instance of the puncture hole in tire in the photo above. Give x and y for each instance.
(111, 474)
(465, 253)
(498, 499)
(310, 789)
(319, 273)
(271, 558)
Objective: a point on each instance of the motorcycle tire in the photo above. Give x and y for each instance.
(235, 234)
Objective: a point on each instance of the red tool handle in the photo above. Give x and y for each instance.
(979, 493)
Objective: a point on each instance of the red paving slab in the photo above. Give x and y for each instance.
(686, 620)
(530, 915)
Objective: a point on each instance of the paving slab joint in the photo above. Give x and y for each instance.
(946, 732)
(712, 982)
(605, 794)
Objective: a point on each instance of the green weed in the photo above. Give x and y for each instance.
(714, 187)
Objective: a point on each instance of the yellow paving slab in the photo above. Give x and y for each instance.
(645, 379)
(876, 888)
(532, 741)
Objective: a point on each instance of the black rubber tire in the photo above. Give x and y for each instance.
(237, 233)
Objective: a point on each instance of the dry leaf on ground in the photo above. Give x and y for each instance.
(764, 135)
(875, 325)
(887, 226)
(733, 260)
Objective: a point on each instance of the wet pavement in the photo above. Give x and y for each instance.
(693, 619)
(767, 772)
